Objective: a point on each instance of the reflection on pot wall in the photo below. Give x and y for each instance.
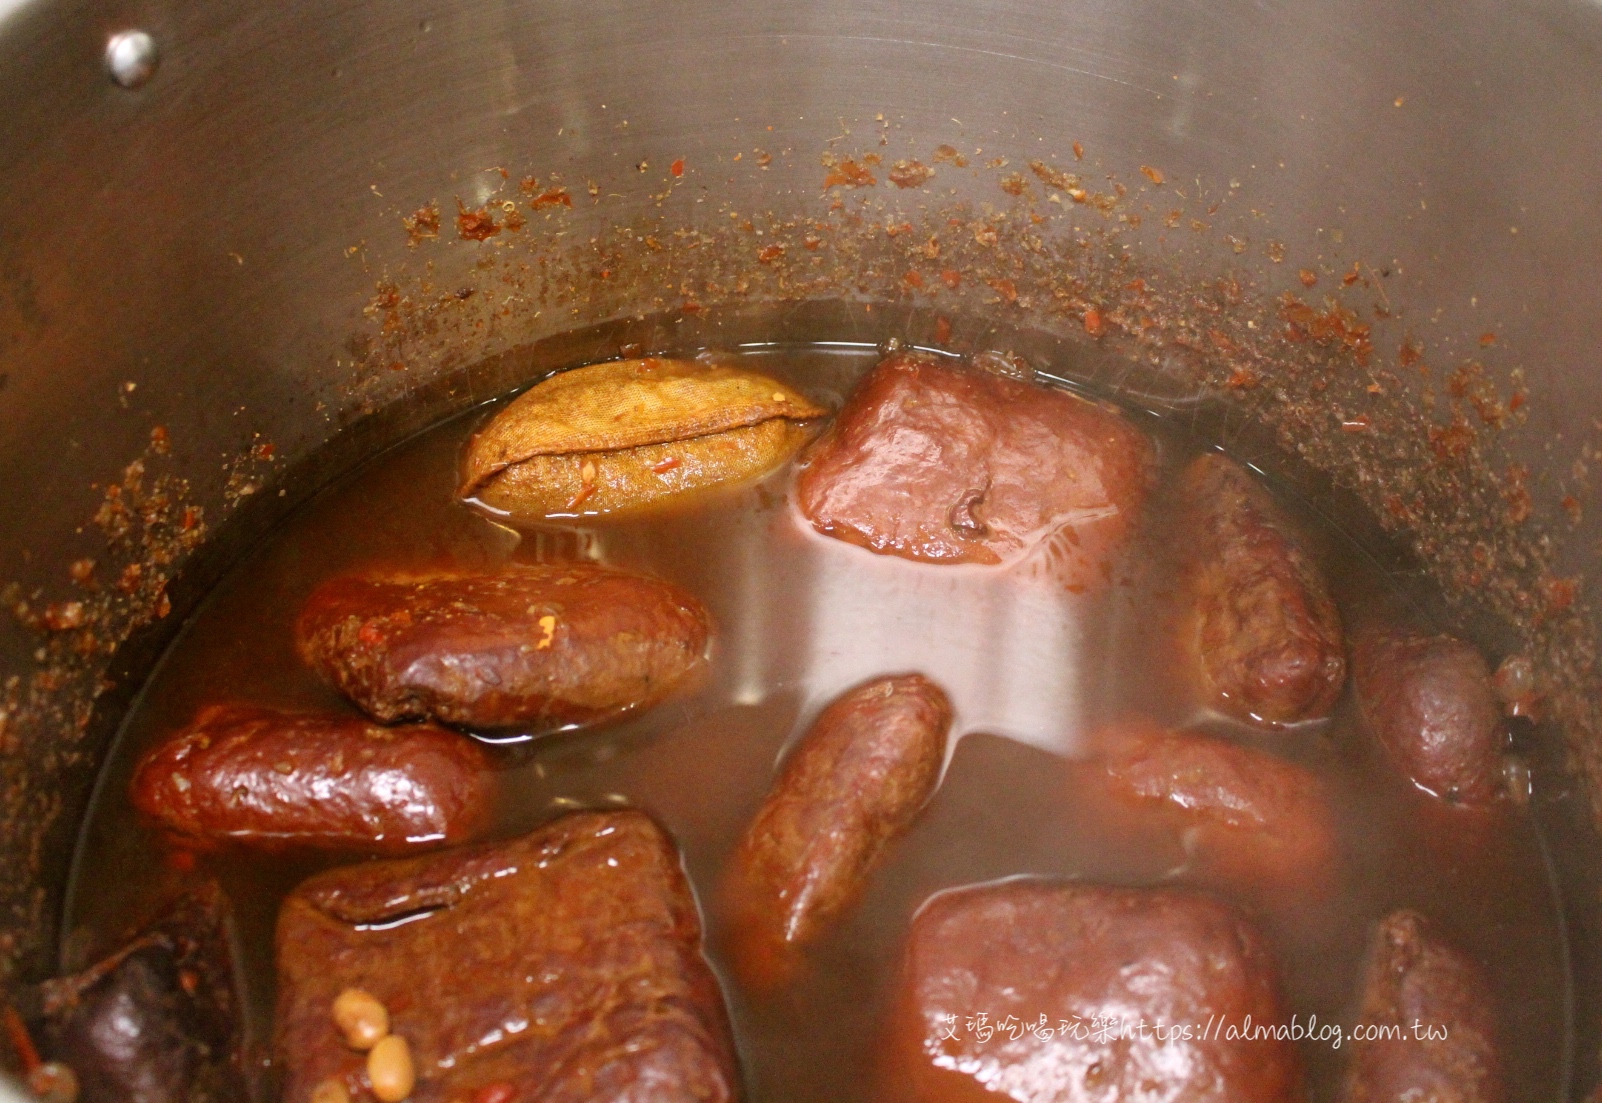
(311, 211)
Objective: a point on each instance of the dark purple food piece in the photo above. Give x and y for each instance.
(532, 645)
(1436, 1007)
(278, 780)
(1430, 701)
(857, 779)
(566, 964)
(157, 1021)
(1265, 633)
(953, 465)
(1087, 993)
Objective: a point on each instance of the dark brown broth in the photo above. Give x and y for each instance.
(801, 618)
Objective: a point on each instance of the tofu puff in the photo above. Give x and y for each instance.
(1088, 993)
(946, 464)
(563, 966)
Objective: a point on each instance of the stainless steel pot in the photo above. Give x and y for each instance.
(206, 268)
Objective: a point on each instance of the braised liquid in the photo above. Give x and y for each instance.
(800, 618)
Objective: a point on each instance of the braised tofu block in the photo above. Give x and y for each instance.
(1430, 701)
(856, 780)
(264, 778)
(1248, 816)
(1264, 632)
(1040, 991)
(548, 646)
(619, 437)
(1437, 1023)
(159, 1020)
(564, 966)
(944, 464)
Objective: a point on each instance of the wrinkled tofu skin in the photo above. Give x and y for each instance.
(620, 437)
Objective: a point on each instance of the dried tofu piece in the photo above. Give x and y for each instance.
(619, 436)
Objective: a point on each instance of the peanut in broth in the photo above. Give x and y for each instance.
(1032, 671)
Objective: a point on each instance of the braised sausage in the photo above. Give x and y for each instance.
(1264, 633)
(1430, 701)
(1432, 1020)
(546, 646)
(264, 778)
(856, 780)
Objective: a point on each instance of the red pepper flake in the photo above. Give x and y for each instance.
(159, 441)
(677, 167)
(1007, 288)
(942, 331)
(82, 571)
(1241, 379)
(21, 1042)
(770, 253)
(1487, 339)
(849, 174)
(811, 242)
(128, 582)
(163, 605)
(477, 225)
(1519, 502)
(949, 153)
(1559, 593)
(1308, 277)
(63, 616)
(190, 520)
(1358, 424)
(1013, 183)
(1571, 506)
(1221, 340)
(1351, 277)
(1518, 400)
(912, 279)
(1451, 442)
(551, 197)
(666, 465)
(1153, 174)
(1054, 177)
(910, 174)
(263, 451)
(1334, 325)
(1093, 322)
(951, 278)
(421, 225)
(514, 219)
(1079, 152)
(370, 634)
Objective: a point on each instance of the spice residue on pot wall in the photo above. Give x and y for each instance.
(1156, 285)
